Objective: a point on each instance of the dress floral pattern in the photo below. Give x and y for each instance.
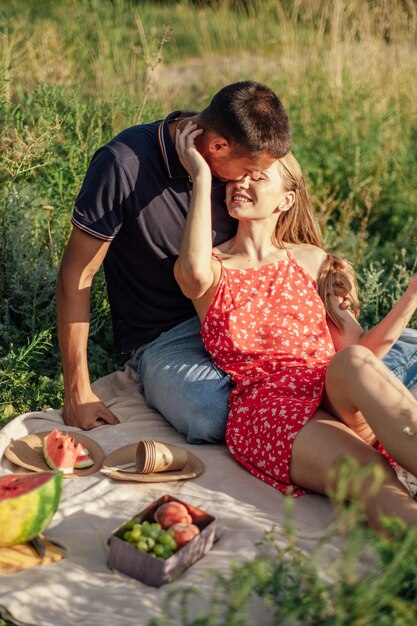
(266, 327)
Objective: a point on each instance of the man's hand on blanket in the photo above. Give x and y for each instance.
(87, 412)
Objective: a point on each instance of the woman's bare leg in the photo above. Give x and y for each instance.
(319, 448)
(369, 399)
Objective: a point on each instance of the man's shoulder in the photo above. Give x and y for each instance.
(136, 142)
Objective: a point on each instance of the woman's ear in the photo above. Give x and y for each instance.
(286, 201)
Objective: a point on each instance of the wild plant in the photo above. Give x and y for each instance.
(351, 577)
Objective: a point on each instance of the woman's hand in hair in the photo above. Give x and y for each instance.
(345, 299)
(191, 159)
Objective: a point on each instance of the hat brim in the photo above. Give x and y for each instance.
(127, 454)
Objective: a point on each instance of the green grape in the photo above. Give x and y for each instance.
(154, 530)
(167, 552)
(136, 532)
(158, 550)
(172, 544)
(142, 546)
(150, 541)
(165, 538)
(146, 529)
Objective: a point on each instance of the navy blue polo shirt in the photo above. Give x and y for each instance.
(135, 195)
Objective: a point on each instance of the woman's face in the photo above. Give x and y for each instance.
(253, 199)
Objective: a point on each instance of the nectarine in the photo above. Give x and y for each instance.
(172, 513)
(183, 533)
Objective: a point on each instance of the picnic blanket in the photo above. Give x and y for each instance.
(81, 589)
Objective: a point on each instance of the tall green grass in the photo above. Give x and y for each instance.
(74, 73)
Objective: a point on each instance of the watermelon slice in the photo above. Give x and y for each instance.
(63, 454)
(27, 505)
(83, 459)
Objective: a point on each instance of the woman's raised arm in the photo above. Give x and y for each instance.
(193, 268)
(346, 330)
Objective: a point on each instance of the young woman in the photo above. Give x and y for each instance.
(265, 324)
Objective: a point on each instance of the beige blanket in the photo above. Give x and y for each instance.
(81, 589)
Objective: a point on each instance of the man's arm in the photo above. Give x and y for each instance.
(82, 258)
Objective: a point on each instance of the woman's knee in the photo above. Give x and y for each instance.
(321, 448)
(360, 471)
(351, 361)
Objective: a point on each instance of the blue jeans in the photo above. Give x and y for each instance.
(177, 377)
(402, 358)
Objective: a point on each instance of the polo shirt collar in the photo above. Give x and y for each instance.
(170, 156)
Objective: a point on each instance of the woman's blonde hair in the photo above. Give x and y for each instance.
(336, 279)
(299, 225)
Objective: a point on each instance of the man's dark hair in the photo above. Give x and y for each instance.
(251, 115)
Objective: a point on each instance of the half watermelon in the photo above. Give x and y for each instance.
(27, 505)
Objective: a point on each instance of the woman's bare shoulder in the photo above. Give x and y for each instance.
(309, 257)
(223, 250)
(218, 251)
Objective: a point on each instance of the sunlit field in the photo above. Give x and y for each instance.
(74, 73)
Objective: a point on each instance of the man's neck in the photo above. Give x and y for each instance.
(180, 122)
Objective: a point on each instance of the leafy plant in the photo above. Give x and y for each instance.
(290, 586)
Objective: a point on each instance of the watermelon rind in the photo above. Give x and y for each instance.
(83, 461)
(24, 516)
(59, 451)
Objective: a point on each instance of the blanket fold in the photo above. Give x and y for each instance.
(81, 589)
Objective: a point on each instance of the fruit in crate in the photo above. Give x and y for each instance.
(63, 454)
(27, 505)
(172, 529)
(183, 533)
(149, 537)
(171, 513)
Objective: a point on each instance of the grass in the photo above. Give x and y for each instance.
(74, 73)
(325, 587)
(354, 133)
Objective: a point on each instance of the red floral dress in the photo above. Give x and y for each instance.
(266, 327)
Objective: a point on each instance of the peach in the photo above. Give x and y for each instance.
(172, 513)
(183, 533)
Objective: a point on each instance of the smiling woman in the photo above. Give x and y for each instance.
(265, 325)
(258, 200)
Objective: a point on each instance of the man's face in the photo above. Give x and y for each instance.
(235, 165)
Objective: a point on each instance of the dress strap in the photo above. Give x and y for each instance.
(299, 267)
(217, 257)
(289, 255)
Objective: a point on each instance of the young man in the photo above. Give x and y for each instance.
(129, 216)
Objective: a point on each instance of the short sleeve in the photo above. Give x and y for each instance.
(102, 204)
